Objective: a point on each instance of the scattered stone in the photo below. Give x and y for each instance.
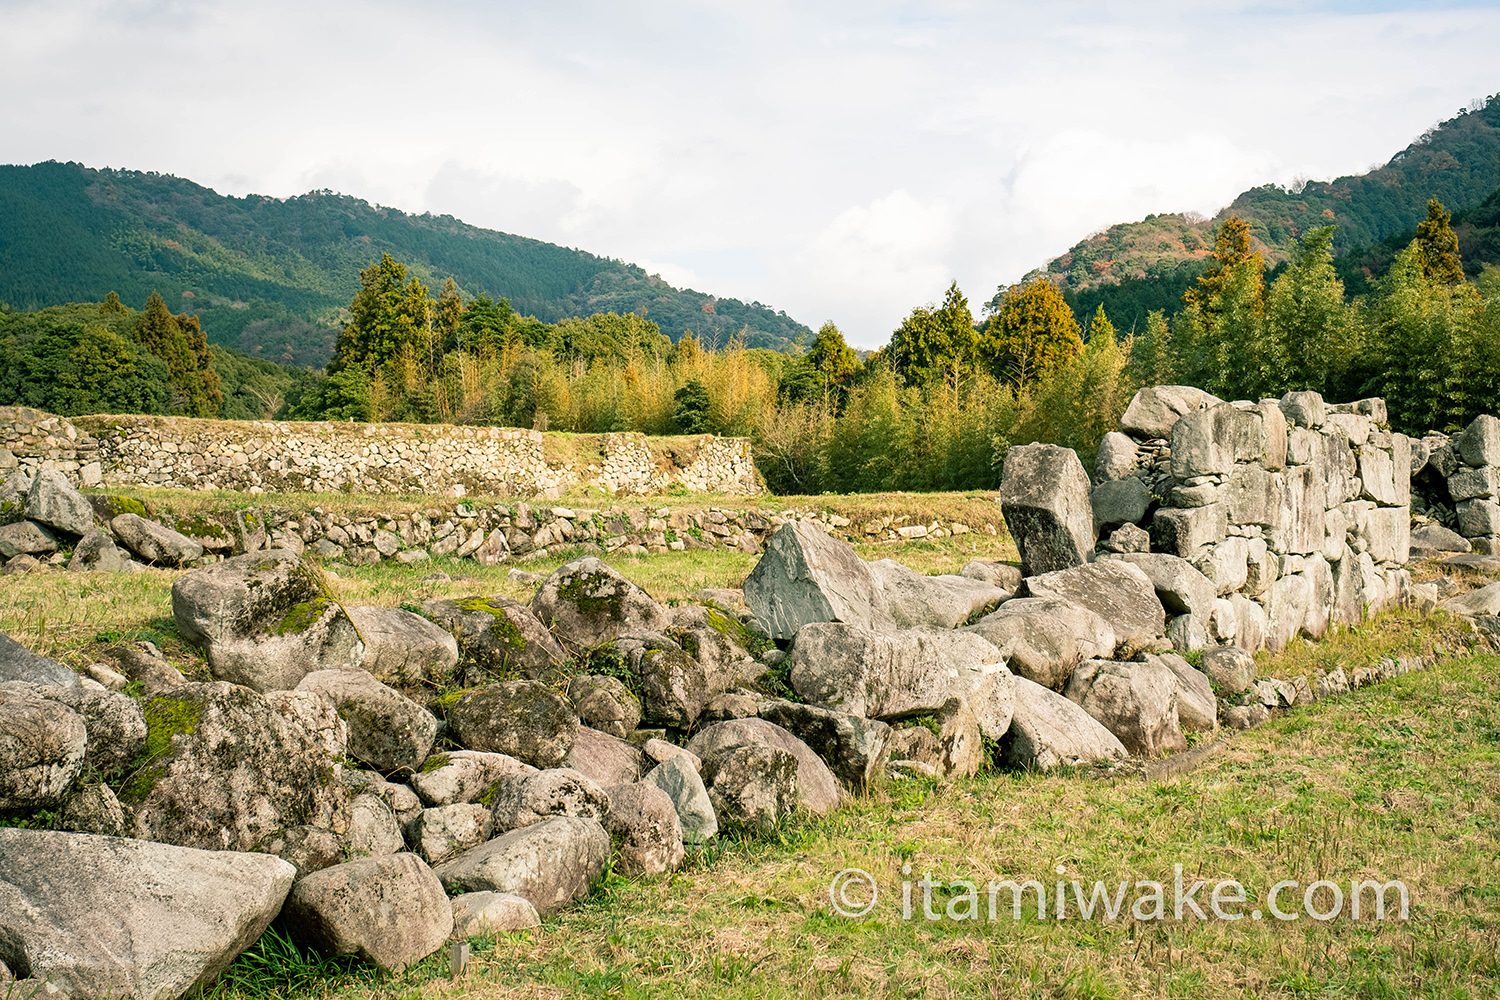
(1003, 575)
(391, 911)
(154, 542)
(101, 916)
(1484, 601)
(587, 603)
(679, 778)
(646, 832)
(1119, 592)
(497, 636)
(807, 576)
(817, 789)
(1049, 731)
(915, 600)
(459, 776)
(524, 719)
(318, 716)
(605, 759)
(96, 552)
(404, 649)
(1155, 409)
(387, 730)
(265, 620)
(42, 746)
(373, 830)
(526, 799)
(605, 704)
(674, 687)
(479, 914)
(1229, 669)
(1043, 640)
(52, 501)
(93, 809)
(550, 863)
(854, 748)
(1135, 701)
(443, 832)
(1197, 709)
(1115, 458)
(25, 538)
(306, 848)
(17, 663)
(752, 786)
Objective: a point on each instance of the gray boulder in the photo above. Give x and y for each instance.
(1154, 409)
(1476, 603)
(644, 827)
(479, 914)
(888, 674)
(1209, 442)
(26, 538)
(1044, 497)
(1135, 701)
(404, 649)
(526, 799)
(52, 501)
(1479, 444)
(100, 916)
(853, 747)
(373, 830)
(96, 552)
(720, 643)
(960, 741)
(674, 686)
(752, 786)
(443, 832)
(1230, 669)
(605, 759)
(17, 663)
(308, 849)
(318, 716)
(1043, 640)
(1179, 586)
(915, 600)
(1003, 575)
(387, 730)
(524, 719)
(391, 911)
(1115, 458)
(586, 603)
(42, 746)
(114, 722)
(92, 809)
(605, 704)
(550, 864)
(1432, 541)
(684, 786)
(155, 543)
(1119, 592)
(456, 776)
(1049, 731)
(497, 636)
(817, 790)
(1119, 502)
(264, 620)
(13, 493)
(807, 576)
(224, 770)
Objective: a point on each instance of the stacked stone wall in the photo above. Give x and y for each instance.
(439, 460)
(1296, 510)
(1458, 482)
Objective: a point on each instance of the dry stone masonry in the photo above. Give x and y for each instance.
(438, 460)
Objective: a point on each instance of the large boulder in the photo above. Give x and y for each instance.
(373, 829)
(679, 778)
(499, 637)
(855, 748)
(525, 799)
(387, 730)
(403, 648)
(391, 911)
(1043, 640)
(880, 675)
(17, 663)
(477, 914)
(318, 716)
(1044, 497)
(586, 603)
(54, 502)
(1120, 593)
(524, 719)
(916, 600)
(456, 776)
(644, 827)
(1048, 730)
(1229, 669)
(720, 643)
(1197, 708)
(155, 543)
(1155, 409)
(1476, 603)
(605, 759)
(1135, 701)
(605, 704)
(42, 746)
(114, 722)
(26, 538)
(100, 916)
(1479, 444)
(752, 786)
(674, 686)
(1209, 442)
(817, 789)
(807, 576)
(1180, 587)
(97, 552)
(549, 864)
(224, 770)
(13, 491)
(264, 620)
(442, 832)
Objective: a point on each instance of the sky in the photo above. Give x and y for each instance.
(839, 161)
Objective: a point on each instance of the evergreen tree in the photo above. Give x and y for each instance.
(447, 314)
(933, 344)
(1439, 246)
(834, 361)
(1221, 322)
(1032, 332)
(111, 304)
(180, 342)
(387, 313)
(1311, 334)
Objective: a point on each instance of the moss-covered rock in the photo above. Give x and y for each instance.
(498, 637)
(586, 603)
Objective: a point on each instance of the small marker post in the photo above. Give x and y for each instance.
(458, 959)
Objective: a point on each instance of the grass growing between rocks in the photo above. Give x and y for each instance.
(1396, 781)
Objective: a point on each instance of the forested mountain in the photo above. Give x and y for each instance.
(1135, 267)
(271, 277)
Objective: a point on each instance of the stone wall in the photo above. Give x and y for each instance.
(1295, 510)
(439, 460)
(1458, 481)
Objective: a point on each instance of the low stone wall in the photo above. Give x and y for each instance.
(1458, 480)
(439, 460)
(1297, 511)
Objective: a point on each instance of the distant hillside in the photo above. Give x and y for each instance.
(271, 277)
(1132, 264)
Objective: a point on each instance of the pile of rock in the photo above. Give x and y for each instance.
(42, 517)
(1458, 481)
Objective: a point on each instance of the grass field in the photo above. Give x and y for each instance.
(1396, 781)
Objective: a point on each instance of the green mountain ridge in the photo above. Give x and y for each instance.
(1134, 267)
(272, 277)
